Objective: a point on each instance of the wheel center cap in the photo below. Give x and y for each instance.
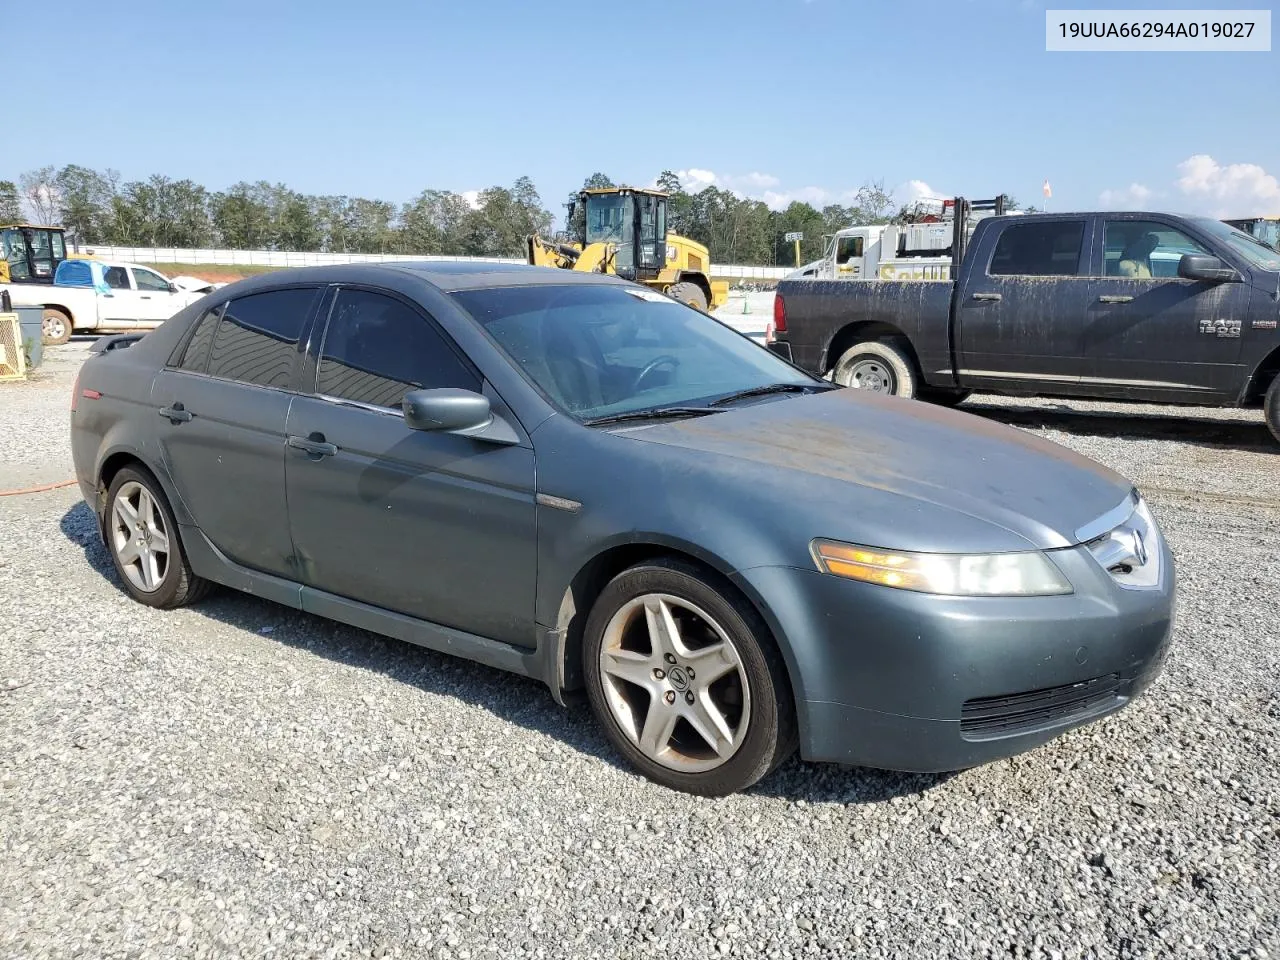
(679, 679)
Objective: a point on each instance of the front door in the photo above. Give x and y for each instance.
(431, 525)
(1020, 311)
(157, 303)
(1151, 334)
(221, 415)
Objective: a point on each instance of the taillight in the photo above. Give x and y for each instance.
(779, 314)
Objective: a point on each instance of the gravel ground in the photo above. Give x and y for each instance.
(241, 780)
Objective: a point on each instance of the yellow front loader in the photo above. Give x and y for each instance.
(623, 231)
(31, 254)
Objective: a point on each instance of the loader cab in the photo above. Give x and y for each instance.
(635, 221)
(30, 254)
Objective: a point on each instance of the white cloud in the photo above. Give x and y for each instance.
(695, 179)
(1237, 189)
(472, 197)
(1132, 197)
(1203, 185)
(914, 190)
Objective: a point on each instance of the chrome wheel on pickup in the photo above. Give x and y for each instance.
(686, 681)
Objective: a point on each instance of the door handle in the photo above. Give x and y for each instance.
(989, 297)
(144, 296)
(1115, 299)
(176, 413)
(314, 445)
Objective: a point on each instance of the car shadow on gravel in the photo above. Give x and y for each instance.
(512, 698)
(1184, 428)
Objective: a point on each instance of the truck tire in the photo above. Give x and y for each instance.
(880, 366)
(943, 398)
(689, 294)
(1272, 407)
(55, 327)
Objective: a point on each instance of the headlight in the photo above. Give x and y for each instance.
(1029, 574)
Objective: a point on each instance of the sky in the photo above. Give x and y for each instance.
(774, 99)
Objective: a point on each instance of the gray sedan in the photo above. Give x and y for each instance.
(580, 480)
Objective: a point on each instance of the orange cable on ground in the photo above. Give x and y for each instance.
(40, 489)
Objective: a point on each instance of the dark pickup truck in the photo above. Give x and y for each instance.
(1118, 306)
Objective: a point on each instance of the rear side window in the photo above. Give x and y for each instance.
(117, 278)
(196, 355)
(377, 349)
(1050, 249)
(257, 340)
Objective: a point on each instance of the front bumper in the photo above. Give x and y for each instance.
(910, 681)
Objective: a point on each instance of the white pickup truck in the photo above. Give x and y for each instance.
(101, 296)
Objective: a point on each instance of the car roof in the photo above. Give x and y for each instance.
(448, 276)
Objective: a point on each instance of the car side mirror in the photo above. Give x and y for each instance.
(445, 408)
(462, 412)
(1200, 266)
(173, 287)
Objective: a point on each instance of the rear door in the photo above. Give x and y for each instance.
(432, 525)
(222, 409)
(1020, 310)
(1151, 334)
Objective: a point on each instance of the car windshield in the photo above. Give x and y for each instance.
(1252, 249)
(601, 350)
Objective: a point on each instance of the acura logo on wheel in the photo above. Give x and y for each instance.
(678, 678)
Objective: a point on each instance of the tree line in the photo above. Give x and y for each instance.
(99, 207)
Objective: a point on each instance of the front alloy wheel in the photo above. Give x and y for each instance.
(674, 683)
(686, 680)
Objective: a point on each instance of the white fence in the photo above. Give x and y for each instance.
(281, 258)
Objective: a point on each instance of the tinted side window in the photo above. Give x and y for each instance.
(258, 337)
(1142, 249)
(1039, 250)
(197, 353)
(377, 349)
(117, 278)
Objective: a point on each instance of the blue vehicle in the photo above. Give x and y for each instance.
(581, 480)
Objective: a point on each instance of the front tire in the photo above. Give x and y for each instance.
(686, 681)
(55, 327)
(1271, 407)
(142, 538)
(689, 294)
(879, 366)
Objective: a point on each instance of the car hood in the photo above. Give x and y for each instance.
(906, 450)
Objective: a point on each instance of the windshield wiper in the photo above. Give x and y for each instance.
(657, 413)
(771, 388)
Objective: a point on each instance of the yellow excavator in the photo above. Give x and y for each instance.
(623, 231)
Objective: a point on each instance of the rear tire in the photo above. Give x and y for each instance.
(1271, 406)
(689, 294)
(146, 550)
(55, 327)
(880, 366)
(703, 705)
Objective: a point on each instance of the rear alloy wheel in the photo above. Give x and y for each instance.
(142, 537)
(878, 366)
(688, 293)
(685, 682)
(55, 327)
(1271, 406)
